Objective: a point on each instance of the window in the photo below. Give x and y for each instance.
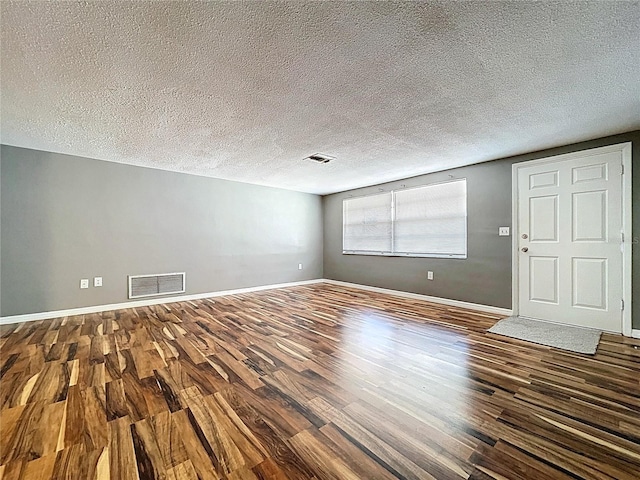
(427, 221)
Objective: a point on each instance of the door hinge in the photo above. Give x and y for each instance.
(622, 169)
(621, 304)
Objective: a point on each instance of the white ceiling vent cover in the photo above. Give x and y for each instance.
(320, 158)
(141, 286)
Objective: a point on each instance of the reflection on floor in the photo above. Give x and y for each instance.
(319, 381)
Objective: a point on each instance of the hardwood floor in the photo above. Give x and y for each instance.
(313, 382)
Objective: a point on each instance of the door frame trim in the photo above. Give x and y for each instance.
(625, 149)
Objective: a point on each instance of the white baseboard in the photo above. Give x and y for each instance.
(635, 333)
(185, 298)
(445, 301)
(28, 317)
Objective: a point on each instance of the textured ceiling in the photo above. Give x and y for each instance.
(244, 91)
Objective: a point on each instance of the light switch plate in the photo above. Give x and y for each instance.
(97, 281)
(84, 283)
(503, 231)
(429, 275)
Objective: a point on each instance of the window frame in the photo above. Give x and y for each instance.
(392, 253)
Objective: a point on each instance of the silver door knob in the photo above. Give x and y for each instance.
(524, 249)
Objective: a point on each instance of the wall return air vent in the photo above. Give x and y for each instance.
(141, 286)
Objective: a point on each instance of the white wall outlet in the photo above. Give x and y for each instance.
(299, 266)
(503, 231)
(429, 275)
(97, 281)
(84, 283)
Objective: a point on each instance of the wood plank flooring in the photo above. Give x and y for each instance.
(313, 382)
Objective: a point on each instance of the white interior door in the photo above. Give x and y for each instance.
(569, 238)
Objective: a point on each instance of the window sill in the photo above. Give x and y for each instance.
(406, 255)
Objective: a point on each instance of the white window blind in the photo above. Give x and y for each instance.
(367, 224)
(424, 221)
(432, 220)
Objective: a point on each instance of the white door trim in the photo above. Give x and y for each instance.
(625, 149)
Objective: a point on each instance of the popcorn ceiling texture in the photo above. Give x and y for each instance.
(245, 90)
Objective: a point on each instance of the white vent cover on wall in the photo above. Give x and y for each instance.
(152, 285)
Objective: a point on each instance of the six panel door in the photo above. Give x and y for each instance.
(569, 257)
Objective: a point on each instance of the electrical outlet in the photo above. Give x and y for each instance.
(429, 275)
(97, 281)
(84, 283)
(299, 266)
(503, 231)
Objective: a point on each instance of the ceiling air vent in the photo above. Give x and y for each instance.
(141, 286)
(320, 158)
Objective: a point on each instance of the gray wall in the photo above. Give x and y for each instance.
(65, 218)
(485, 276)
